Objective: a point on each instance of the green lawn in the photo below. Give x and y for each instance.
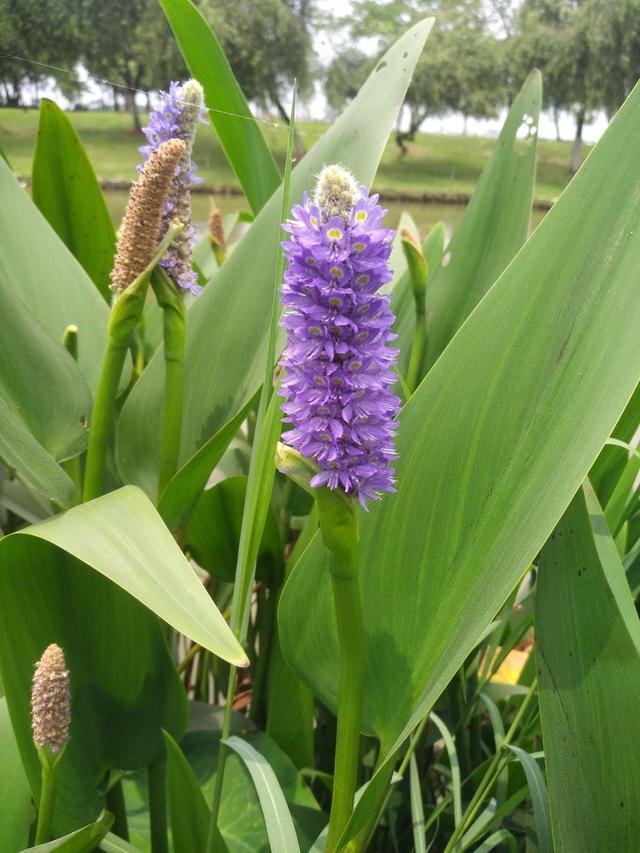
(434, 164)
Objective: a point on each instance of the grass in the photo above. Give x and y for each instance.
(435, 164)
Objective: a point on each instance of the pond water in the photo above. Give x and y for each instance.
(424, 215)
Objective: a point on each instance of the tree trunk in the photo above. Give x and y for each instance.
(133, 108)
(465, 118)
(576, 150)
(284, 115)
(556, 121)
(403, 136)
(116, 105)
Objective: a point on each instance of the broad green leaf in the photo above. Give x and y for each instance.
(43, 274)
(492, 447)
(44, 401)
(214, 532)
(83, 840)
(239, 133)
(588, 652)
(65, 189)
(277, 818)
(494, 225)
(15, 795)
(187, 807)
(64, 581)
(229, 322)
(539, 799)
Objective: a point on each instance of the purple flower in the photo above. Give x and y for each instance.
(339, 368)
(176, 118)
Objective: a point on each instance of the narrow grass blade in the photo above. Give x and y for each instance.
(456, 782)
(277, 818)
(539, 799)
(417, 809)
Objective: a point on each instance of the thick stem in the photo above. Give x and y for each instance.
(174, 318)
(116, 805)
(157, 776)
(45, 809)
(348, 609)
(266, 620)
(102, 418)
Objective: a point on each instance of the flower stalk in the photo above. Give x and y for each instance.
(419, 273)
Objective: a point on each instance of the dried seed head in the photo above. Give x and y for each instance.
(51, 701)
(142, 221)
(336, 192)
(216, 229)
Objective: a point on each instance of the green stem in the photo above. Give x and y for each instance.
(72, 467)
(214, 841)
(491, 772)
(116, 805)
(45, 809)
(348, 609)
(266, 619)
(174, 317)
(102, 418)
(417, 350)
(157, 777)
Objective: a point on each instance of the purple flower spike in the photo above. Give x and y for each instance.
(339, 369)
(176, 118)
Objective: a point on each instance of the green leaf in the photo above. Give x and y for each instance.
(588, 652)
(229, 322)
(539, 799)
(494, 225)
(280, 828)
(456, 784)
(213, 534)
(492, 446)
(44, 401)
(83, 840)
(187, 807)
(64, 581)
(15, 795)
(239, 133)
(45, 276)
(65, 189)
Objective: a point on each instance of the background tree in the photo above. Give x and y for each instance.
(345, 75)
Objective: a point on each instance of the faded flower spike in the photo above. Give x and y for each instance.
(51, 701)
(181, 108)
(336, 193)
(339, 369)
(142, 224)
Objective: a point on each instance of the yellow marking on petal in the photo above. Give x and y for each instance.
(334, 234)
(362, 279)
(336, 272)
(359, 247)
(313, 220)
(312, 262)
(360, 216)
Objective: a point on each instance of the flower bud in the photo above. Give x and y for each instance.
(51, 701)
(336, 192)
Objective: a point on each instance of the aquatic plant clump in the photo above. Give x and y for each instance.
(339, 366)
(180, 110)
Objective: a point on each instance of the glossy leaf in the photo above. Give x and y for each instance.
(64, 581)
(240, 135)
(213, 534)
(187, 807)
(229, 322)
(277, 819)
(44, 401)
(494, 225)
(491, 449)
(15, 794)
(65, 189)
(44, 275)
(83, 840)
(588, 653)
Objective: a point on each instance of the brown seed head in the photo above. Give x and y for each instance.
(51, 701)
(141, 224)
(216, 229)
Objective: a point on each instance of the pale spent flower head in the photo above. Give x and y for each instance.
(180, 110)
(336, 192)
(216, 229)
(142, 224)
(51, 701)
(339, 367)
